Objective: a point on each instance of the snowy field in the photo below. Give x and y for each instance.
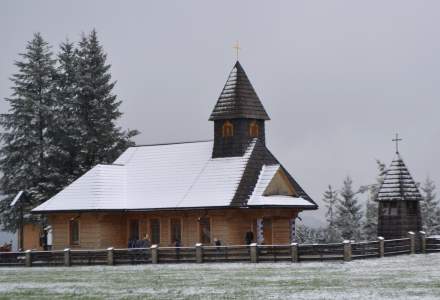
(403, 277)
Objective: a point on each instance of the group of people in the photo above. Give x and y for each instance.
(145, 242)
(140, 243)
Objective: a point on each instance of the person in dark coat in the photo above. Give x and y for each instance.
(177, 244)
(147, 241)
(249, 237)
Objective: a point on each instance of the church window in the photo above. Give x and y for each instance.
(134, 230)
(176, 230)
(74, 232)
(205, 230)
(254, 129)
(228, 129)
(155, 231)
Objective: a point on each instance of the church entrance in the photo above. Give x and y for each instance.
(267, 231)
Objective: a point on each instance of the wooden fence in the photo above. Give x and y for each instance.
(294, 252)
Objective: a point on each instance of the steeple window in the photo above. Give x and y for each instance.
(228, 129)
(254, 129)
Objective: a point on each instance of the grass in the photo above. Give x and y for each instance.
(403, 277)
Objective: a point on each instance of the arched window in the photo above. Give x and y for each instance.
(228, 129)
(254, 129)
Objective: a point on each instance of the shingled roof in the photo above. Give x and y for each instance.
(398, 184)
(177, 177)
(238, 99)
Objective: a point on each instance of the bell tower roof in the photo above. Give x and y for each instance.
(398, 184)
(238, 99)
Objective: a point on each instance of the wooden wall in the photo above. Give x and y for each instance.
(103, 230)
(31, 237)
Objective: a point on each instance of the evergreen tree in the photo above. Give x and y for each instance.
(371, 211)
(349, 213)
(429, 208)
(101, 140)
(308, 235)
(23, 158)
(331, 199)
(66, 130)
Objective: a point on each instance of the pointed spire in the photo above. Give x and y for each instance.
(238, 99)
(398, 184)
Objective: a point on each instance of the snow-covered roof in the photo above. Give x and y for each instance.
(172, 176)
(16, 198)
(398, 184)
(259, 198)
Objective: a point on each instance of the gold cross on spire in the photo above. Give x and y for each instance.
(237, 48)
(397, 140)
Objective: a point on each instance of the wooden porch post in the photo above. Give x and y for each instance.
(67, 257)
(154, 254)
(381, 246)
(422, 241)
(347, 250)
(28, 256)
(412, 241)
(110, 256)
(254, 252)
(199, 253)
(294, 252)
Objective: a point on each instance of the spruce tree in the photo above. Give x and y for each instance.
(371, 211)
(330, 199)
(66, 132)
(349, 213)
(102, 140)
(430, 208)
(23, 157)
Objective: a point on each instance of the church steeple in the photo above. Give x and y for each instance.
(238, 99)
(238, 116)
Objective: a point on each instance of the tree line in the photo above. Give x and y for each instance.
(347, 218)
(62, 121)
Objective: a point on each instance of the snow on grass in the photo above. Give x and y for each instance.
(403, 277)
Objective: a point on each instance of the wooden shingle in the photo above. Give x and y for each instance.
(238, 99)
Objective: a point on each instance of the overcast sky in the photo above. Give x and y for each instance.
(338, 78)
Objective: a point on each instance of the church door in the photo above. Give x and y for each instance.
(267, 231)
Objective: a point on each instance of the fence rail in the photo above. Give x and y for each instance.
(432, 245)
(294, 252)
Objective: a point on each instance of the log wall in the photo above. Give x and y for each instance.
(102, 230)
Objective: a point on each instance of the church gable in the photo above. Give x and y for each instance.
(280, 185)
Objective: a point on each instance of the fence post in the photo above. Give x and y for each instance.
(199, 253)
(28, 254)
(294, 252)
(412, 242)
(110, 256)
(381, 241)
(254, 253)
(347, 250)
(422, 241)
(154, 254)
(67, 257)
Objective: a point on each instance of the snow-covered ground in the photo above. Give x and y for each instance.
(403, 277)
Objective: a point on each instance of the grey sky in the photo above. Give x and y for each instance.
(338, 78)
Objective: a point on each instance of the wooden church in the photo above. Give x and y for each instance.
(399, 201)
(231, 189)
